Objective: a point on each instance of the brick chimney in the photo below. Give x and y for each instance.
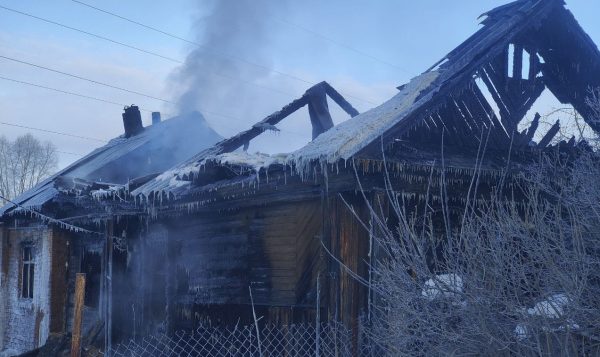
(132, 121)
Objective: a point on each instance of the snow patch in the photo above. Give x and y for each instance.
(111, 192)
(443, 285)
(521, 332)
(265, 126)
(257, 161)
(553, 307)
(346, 139)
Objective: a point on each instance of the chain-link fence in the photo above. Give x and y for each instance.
(325, 339)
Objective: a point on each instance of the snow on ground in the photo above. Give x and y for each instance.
(553, 307)
(443, 285)
(521, 332)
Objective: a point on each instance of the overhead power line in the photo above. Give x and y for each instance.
(90, 34)
(84, 79)
(69, 93)
(104, 101)
(53, 132)
(329, 39)
(95, 82)
(211, 52)
(142, 50)
(195, 43)
(68, 153)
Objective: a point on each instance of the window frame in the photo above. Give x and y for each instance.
(27, 272)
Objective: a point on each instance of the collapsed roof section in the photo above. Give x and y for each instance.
(558, 55)
(151, 149)
(315, 98)
(522, 48)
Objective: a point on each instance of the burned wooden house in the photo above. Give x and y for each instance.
(43, 244)
(281, 226)
(226, 232)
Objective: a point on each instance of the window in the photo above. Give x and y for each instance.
(27, 274)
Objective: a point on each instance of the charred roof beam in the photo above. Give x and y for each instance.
(316, 100)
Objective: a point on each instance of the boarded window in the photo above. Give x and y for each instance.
(27, 273)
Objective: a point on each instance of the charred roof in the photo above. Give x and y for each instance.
(151, 150)
(445, 103)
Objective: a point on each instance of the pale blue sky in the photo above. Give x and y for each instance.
(409, 35)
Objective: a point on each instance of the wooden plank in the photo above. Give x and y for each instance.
(518, 62)
(550, 135)
(78, 315)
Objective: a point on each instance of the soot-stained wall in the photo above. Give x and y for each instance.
(27, 320)
(188, 268)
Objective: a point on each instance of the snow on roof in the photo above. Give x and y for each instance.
(340, 142)
(46, 190)
(256, 161)
(164, 134)
(176, 177)
(348, 138)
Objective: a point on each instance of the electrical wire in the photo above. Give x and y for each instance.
(67, 92)
(275, 90)
(84, 79)
(211, 52)
(69, 153)
(108, 102)
(53, 132)
(329, 39)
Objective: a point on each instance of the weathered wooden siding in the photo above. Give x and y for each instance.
(200, 266)
(349, 243)
(290, 237)
(270, 249)
(59, 253)
(310, 261)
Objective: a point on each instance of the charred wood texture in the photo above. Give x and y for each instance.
(572, 61)
(319, 111)
(550, 135)
(78, 315)
(132, 121)
(314, 97)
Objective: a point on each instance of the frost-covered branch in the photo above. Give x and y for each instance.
(518, 275)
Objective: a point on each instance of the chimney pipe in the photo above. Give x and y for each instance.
(155, 118)
(132, 121)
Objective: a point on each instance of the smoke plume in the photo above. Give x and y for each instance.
(215, 78)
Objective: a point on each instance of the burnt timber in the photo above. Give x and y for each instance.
(200, 231)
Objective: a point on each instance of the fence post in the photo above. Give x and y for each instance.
(108, 290)
(318, 327)
(78, 314)
(255, 323)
